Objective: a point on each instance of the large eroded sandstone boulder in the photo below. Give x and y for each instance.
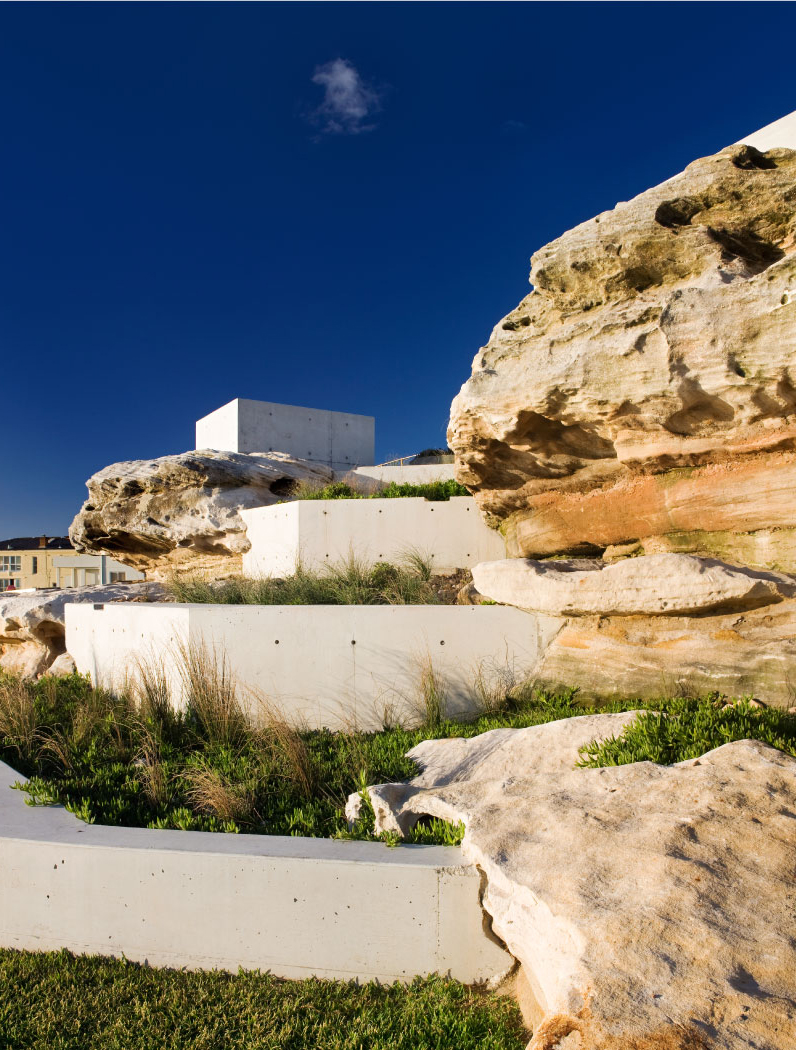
(651, 906)
(182, 512)
(646, 389)
(33, 626)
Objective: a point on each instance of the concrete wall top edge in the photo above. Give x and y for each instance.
(296, 610)
(779, 134)
(53, 824)
(281, 404)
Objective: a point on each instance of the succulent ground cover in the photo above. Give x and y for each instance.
(92, 1003)
(132, 760)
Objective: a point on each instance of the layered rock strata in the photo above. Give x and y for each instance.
(649, 905)
(181, 512)
(645, 391)
(33, 626)
(655, 625)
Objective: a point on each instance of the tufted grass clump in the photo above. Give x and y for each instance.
(96, 1003)
(436, 491)
(351, 582)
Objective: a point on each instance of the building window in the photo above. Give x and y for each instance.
(117, 576)
(35, 568)
(11, 563)
(10, 585)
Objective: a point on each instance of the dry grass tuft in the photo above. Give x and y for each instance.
(494, 686)
(211, 793)
(285, 745)
(18, 719)
(212, 694)
(151, 769)
(433, 694)
(151, 694)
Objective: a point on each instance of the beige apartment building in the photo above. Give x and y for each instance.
(50, 561)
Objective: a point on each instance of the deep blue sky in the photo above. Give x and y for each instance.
(181, 225)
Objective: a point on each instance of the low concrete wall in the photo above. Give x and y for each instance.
(297, 907)
(324, 665)
(411, 474)
(324, 532)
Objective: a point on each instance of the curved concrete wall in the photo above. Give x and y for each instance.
(297, 907)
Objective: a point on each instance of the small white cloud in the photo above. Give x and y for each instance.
(348, 102)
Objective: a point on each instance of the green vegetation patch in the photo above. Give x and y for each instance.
(688, 728)
(64, 1002)
(133, 761)
(437, 491)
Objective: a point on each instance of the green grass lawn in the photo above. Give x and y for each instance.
(58, 1001)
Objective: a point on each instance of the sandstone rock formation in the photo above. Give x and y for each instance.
(182, 512)
(645, 391)
(33, 628)
(655, 625)
(650, 906)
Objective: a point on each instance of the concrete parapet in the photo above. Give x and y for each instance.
(406, 473)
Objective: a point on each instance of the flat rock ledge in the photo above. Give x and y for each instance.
(652, 585)
(651, 907)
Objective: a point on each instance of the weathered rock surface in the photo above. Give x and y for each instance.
(659, 339)
(33, 627)
(655, 625)
(747, 653)
(651, 907)
(655, 585)
(182, 512)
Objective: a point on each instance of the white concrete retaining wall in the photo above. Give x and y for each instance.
(323, 665)
(341, 440)
(408, 473)
(297, 907)
(326, 532)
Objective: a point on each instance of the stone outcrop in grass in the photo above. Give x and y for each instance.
(649, 905)
(33, 629)
(645, 391)
(181, 512)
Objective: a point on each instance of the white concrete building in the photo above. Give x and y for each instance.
(340, 440)
(318, 533)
